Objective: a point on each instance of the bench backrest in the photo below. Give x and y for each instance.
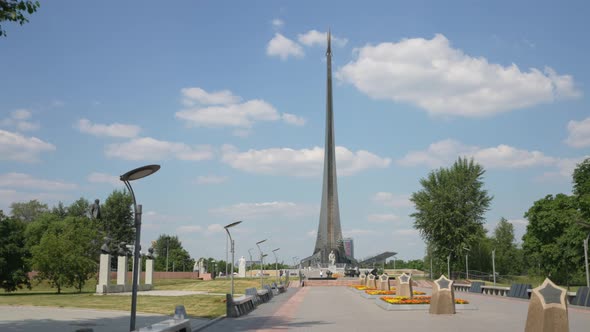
(582, 297)
(251, 291)
(476, 286)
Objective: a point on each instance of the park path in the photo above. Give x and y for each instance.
(341, 309)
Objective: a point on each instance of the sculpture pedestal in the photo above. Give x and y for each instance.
(149, 271)
(383, 283)
(104, 278)
(122, 270)
(371, 282)
(405, 286)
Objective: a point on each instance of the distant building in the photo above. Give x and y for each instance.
(348, 247)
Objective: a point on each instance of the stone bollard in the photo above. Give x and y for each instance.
(371, 281)
(442, 301)
(363, 279)
(405, 286)
(383, 282)
(547, 309)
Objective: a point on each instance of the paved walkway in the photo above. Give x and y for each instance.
(340, 309)
(50, 319)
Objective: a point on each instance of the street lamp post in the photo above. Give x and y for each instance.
(132, 175)
(494, 264)
(449, 265)
(227, 227)
(467, 263)
(167, 249)
(587, 226)
(214, 262)
(258, 245)
(274, 252)
(250, 253)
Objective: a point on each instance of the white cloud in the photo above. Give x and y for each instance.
(392, 200)
(444, 80)
(18, 119)
(304, 162)
(96, 177)
(356, 231)
(578, 133)
(189, 229)
(408, 231)
(16, 147)
(193, 96)
(21, 114)
(277, 23)
(283, 47)
(234, 115)
(243, 133)
(518, 221)
(565, 169)
(21, 180)
(211, 179)
(9, 196)
(215, 228)
(224, 109)
(381, 218)
(265, 210)
(314, 37)
(445, 152)
(147, 148)
(293, 119)
(110, 130)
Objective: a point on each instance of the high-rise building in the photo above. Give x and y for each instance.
(348, 247)
(329, 236)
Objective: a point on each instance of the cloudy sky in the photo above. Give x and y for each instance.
(229, 98)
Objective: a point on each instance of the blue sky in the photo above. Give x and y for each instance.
(229, 98)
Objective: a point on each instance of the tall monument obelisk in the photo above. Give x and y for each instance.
(329, 237)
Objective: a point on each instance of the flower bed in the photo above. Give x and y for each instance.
(380, 292)
(362, 288)
(415, 300)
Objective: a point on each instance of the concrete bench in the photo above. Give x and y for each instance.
(269, 289)
(236, 307)
(461, 287)
(476, 287)
(495, 290)
(259, 296)
(278, 288)
(170, 325)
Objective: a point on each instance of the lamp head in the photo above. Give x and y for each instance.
(233, 224)
(259, 242)
(140, 172)
(276, 249)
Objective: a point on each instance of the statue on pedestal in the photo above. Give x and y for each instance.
(332, 257)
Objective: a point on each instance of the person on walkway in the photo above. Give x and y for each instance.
(321, 274)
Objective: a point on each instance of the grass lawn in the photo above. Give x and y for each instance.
(209, 306)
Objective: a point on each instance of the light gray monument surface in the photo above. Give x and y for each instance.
(329, 236)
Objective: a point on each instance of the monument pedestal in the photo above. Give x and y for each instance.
(383, 283)
(122, 270)
(442, 301)
(363, 280)
(547, 309)
(405, 286)
(149, 271)
(371, 282)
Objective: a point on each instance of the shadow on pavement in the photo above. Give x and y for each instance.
(246, 323)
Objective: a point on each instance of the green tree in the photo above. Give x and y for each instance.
(450, 208)
(552, 242)
(60, 210)
(13, 254)
(66, 253)
(28, 211)
(79, 208)
(35, 230)
(117, 217)
(14, 11)
(507, 258)
(178, 258)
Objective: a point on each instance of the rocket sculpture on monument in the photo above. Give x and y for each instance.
(329, 247)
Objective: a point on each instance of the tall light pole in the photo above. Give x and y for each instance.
(132, 175)
(274, 252)
(394, 259)
(250, 253)
(226, 255)
(494, 264)
(227, 227)
(214, 262)
(466, 263)
(258, 245)
(449, 265)
(167, 249)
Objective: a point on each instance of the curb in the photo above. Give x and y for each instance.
(209, 323)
